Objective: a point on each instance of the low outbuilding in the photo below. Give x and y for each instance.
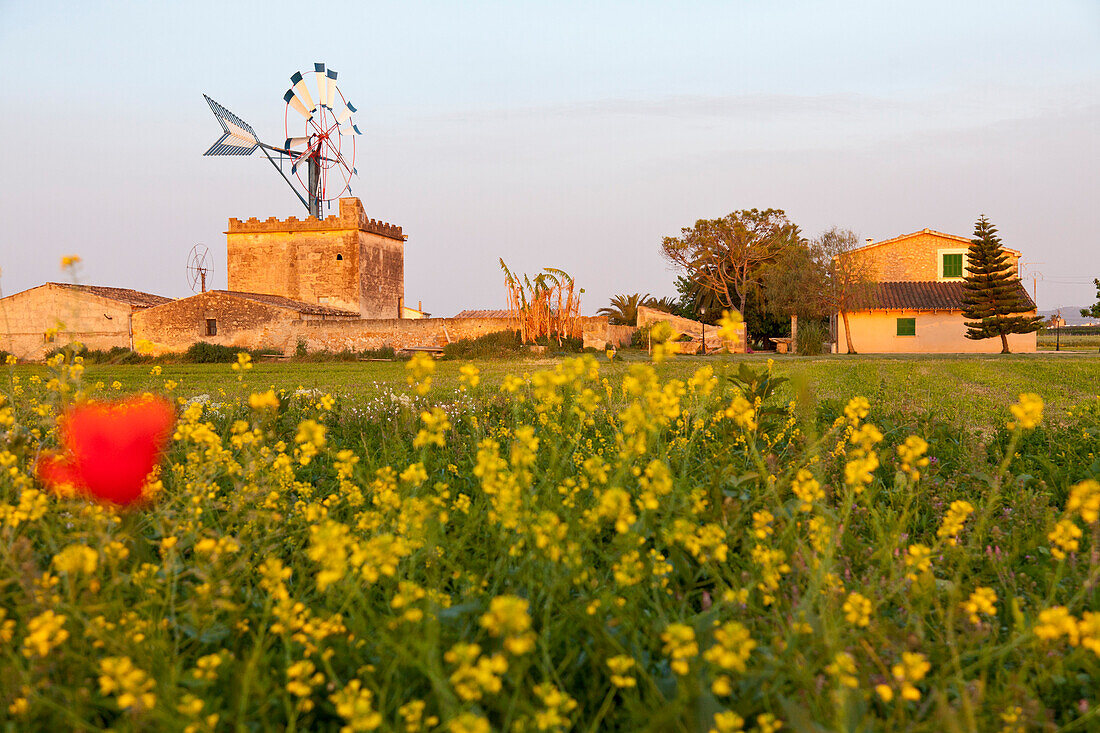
(40, 319)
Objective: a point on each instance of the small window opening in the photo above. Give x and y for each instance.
(339, 257)
(211, 326)
(907, 327)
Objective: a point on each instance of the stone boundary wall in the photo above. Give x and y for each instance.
(694, 329)
(357, 335)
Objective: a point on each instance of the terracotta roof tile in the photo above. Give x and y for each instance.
(924, 295)
(312, 309)
(135, 298)
(484, 314)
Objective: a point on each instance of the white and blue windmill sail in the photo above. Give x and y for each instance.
(238, 137)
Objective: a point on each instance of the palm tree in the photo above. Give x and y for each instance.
(624, 309)
(666, 304)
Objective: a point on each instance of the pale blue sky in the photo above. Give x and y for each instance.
(561, 134)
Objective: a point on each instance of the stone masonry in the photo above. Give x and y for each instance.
(346, 261)
(912, 257)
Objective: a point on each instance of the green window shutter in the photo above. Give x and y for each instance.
(907, 327)
(953, 265)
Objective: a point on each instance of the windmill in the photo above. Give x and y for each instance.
(320, 139)
(198, 267)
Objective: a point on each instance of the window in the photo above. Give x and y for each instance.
(211, 326)
(907, 326)
(339, 257)
(953, 265)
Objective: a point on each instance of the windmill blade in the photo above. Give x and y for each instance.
(346, 114)
(322, 84)
(238, 137)
(301, 91)
(305, 154)
(350, 130)
(330, 87)
(294, 142)
(296, 103)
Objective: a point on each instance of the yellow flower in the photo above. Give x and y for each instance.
(982, 601)
(1028, 412)
(468, 723)
(132, 687)
(843, 668)
(301, 678)
(953, 521)
(310, 439)
(420, 368)
(1063, 538)
(44, 632)
(620, 666)
(355, 705)
(727, 721)
(469, 375)
(1084, 497)
(1089, 631)
(807, 490)
(742, 413)
(680, 646)
(435, 425)
(857, 610)
(857, 409)
(76, 559)
(730, 328)
(1057, 622)
(918, 558)
(508, 617)
(70, 261)
(767, 723)
(912, 668)
(263, 400)
(911, 455)
(732, 647)
(244, 362)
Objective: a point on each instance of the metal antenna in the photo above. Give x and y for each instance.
(198, 266)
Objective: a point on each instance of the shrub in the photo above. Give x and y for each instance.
(202, 352)
(811, 338)
(640, 338)
(498, 344)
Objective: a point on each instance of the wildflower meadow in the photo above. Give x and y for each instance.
(562, 552)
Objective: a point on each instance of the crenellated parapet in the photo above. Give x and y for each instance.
(351, 216)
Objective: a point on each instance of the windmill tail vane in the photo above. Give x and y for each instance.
(325, 148)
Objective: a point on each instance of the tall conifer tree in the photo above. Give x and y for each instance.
(994, 299)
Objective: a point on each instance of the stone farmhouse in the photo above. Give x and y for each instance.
(42, 318)
(916, 301)
(334, 283)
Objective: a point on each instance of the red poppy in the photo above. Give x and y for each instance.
(110, 447)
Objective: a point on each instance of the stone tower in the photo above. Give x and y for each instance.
(346, 261)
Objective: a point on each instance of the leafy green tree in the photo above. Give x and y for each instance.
(726, 255)
(1094, 310)
(820, 279)
(994, 300)
(623, 310)
(696, 301)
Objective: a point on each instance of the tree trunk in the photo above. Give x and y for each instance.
(847, 332)
(1004, 344)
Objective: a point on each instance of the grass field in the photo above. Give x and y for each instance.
(564, 544)
(970, 391)
(1048, 341)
